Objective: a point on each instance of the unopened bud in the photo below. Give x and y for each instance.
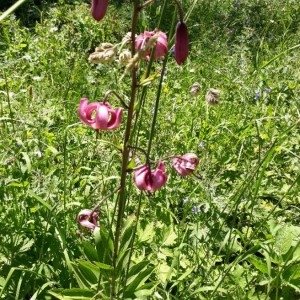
(99, 8)
(181, 43)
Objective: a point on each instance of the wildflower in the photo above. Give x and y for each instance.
(185, 164)
(104, 54)
(150, 180)
(99, 8)
(99, 115)
(195, 209)
(195, 89)
(257, 95)
(124, 57)
(201, 144)
(88, 219)
(181, 43)
(268, 90)
(212, 96)
(161, 44)
(186, 200)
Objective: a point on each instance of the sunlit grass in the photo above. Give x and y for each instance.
(232, 234)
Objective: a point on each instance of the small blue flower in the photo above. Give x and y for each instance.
(257, 95)
(268, 90)
(195, 209)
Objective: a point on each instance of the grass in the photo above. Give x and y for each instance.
(234, 234)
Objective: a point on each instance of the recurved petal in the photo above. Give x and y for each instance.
(86, 110)
(159, 179)
(115, 118)
(102, 116)
(88, 219)
(140, 177)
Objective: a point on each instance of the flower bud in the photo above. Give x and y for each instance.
(181, 43)
(99, 8)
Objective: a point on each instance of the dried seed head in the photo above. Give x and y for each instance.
(212, 96)
(124, 57)
(196, 87)
(104, 54)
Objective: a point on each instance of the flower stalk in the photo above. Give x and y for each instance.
(126, 149)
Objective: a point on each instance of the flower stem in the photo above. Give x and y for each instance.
(126, 149)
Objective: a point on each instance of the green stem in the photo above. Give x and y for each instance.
(11, 9)
(158, 94)
(126, 149)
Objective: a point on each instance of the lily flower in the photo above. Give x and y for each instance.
(99, 115)
(161, 47)
(181, 43)
(150, 180)
(185, 164)
(99, 8)
(88, 219)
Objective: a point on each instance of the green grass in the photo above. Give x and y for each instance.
(243, 241)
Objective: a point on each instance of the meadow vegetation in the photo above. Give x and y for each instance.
(231, 232)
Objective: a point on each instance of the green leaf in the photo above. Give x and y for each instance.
(104, 245)
(87, 272)
(72, 294)
(103, 266)
(291, 272)
(258, 263)
(80, 277)
(169, 237)
(146, 234)
(27, 245)
(137, 268)
(164, 272)
(284, 239)
(89, 251)
(138, 281)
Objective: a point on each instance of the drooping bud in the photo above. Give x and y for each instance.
(99, 8)
(181, 43)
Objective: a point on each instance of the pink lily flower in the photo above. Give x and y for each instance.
(161, 45)
(185, 164)
(150, 180)
(88, 219)
(181, 43)
(99, 115)
(99, 8)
